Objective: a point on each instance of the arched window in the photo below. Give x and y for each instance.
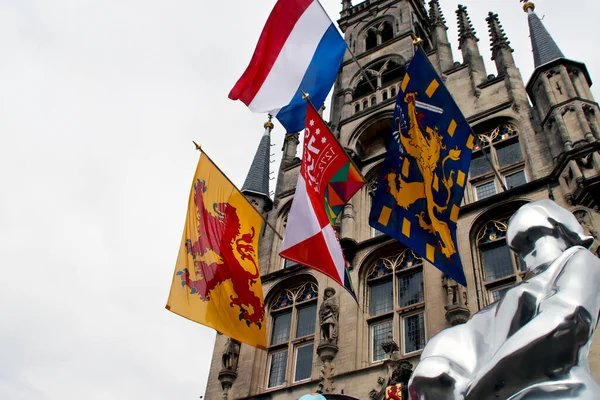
(498, 147)
(357, 107)
(384, 95)
(371, 39)
(373, 101)
(291, 344)
(365, 104)
(396, 303)
(364, 87)
(500, 266)
(387, 32)
(393, 92)
(393, 72)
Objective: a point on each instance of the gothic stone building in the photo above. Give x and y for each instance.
(542, 138)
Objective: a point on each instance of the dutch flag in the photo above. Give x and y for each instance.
(299, 49)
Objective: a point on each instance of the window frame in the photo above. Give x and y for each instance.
(479, 184)
(296, 349)
(489, 286)
(293, 297)
(503, 135)
(400, 264)
(270, 355)
(372, 326)
(404, 333)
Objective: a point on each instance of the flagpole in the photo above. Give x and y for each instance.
(362, 71)
(202, 151)
(305, 96)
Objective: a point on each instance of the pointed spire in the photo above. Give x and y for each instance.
(497, 35)
(257, 180)
(435, 14)
(544, 47)
(465, 27)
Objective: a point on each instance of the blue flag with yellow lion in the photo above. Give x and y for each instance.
(425, 170)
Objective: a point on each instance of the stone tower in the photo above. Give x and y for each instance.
(523, 153)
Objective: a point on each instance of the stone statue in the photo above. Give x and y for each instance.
(328, 315)
(231, 355)
(534, 342)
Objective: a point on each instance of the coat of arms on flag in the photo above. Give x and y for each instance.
(327, 181)
(425, 170)
(217, 279)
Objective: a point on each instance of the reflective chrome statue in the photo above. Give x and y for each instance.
(534, 342)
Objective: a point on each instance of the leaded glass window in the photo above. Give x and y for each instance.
(293, 316)
(277, 368)
(501, 268)
(414, 333)
(380, 333)
(495, 156)
(396, 287)
(486, 190)
(516, 179)
(411, 289)
(281, 327)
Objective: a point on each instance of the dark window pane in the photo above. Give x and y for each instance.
(414, 333)
(509, 154)
(393, 92)
(516, 179)
(356, 107)
(498, 293)
(371, 40)
(304, 358)
(380, 333)
(382, 298)
(411, 289)
(306, 320)
(281, 328)
(497, 263)
(480, 164)
(485, 190)
(277, 369)
(387, 32)
(385, 95)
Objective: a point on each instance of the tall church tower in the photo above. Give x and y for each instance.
(522, 154)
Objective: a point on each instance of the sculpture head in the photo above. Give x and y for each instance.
(540, 231)
(329, 292)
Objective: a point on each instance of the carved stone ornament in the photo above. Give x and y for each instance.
(399, 372)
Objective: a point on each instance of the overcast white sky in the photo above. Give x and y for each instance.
(99, 103)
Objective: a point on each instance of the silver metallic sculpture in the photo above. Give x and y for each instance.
(534, 342)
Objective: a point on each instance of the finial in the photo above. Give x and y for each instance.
(528, 6)
(304, 95)
(417, 41)
(465, 27)
(497, 35)
(198, 147)
(436, 17)
(269, 124)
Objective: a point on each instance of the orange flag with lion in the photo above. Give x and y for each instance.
(217, 281)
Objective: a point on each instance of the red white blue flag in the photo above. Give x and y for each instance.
(299, 49)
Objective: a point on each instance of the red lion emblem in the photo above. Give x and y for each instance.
(220, 234)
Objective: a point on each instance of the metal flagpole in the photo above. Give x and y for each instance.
(362, 71)
(199, 148)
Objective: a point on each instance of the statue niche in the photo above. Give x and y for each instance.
(328, 316)
(231, 355)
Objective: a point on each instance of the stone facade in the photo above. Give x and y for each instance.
(544, 140)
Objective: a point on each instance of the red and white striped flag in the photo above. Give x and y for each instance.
(327, 181)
